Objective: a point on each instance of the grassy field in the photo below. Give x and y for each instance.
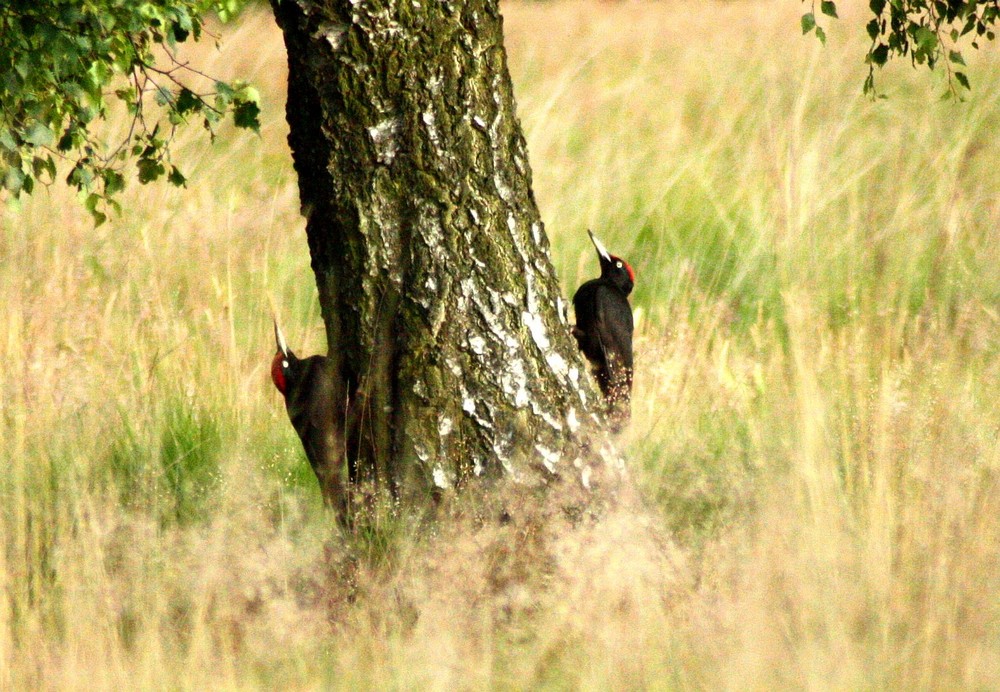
(815, 429)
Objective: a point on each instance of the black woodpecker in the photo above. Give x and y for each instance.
(310, 393)
(604, 329)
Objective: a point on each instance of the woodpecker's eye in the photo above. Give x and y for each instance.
(618, 264)
(284, 364)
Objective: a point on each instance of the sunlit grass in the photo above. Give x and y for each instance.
(816, 424)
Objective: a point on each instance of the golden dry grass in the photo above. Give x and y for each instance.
(815, 429)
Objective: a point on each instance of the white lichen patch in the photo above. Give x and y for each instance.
(537, 330)
(502, 446)
(572, 422)
(384, 137)
(489, 308)
(536, 233)
(585, 474)
(557, 364)
(574, 378)
(472, 409)
(431, 124)
(419, 388)
(549, 419)
(550, 458)
(503, 190)
(479, 123)
(474, 215)
(434, 84)
(536, 327)
(477, 467)
(333, 33)
(440, 478)
(445, 426)
(477, 344)
(514, 383)
(421, 452)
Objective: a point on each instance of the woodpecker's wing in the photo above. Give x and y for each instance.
(586, 332)
(614, 327)
(313, 410)
(604, 322)
(614, 323)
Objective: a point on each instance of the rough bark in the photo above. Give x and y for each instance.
(444, 319)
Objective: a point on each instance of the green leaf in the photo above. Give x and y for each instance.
(126, 94)
(963, 80)
(163, 96)
(829, 8)
(176, 178)
(149, 170)
(926, 39)
(245, 114)
(808, 22)
(880, 54)
(821, 35)
(876, 6)
(7, 140)
(247, 93)
(66, 141)
(81, 176)
(113, 182)
(40, 165)
(873, 29)
(179, 33)
(39, 135)
(224, 91)
(13, 180)
(187, 101)
(956, 57)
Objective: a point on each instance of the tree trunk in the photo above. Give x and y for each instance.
(445, 323)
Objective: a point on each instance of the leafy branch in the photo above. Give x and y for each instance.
(927, 31)
(64, 63)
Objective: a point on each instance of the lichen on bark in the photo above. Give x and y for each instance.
(444, 318)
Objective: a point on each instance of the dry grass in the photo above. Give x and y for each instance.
(816, 421)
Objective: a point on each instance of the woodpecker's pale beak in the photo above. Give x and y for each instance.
(279, 339)
(601, 250)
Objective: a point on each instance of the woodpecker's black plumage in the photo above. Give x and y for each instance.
(315, 409)
(604, 327)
